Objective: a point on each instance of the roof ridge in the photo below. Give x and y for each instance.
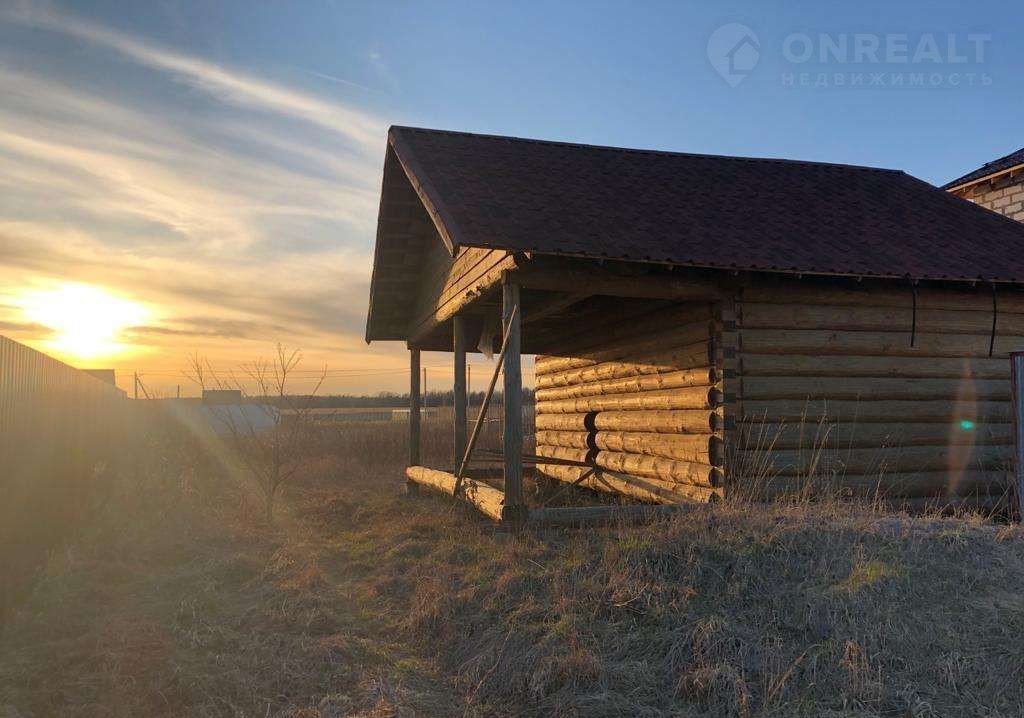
(635, 150)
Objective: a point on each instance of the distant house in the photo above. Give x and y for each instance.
(997, 185)
(105, 375)
(705, 325)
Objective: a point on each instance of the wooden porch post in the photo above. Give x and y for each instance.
(459, 391)
(515, 508)
(414, 412)
(1017, 390)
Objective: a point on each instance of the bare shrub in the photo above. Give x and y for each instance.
(271, 443)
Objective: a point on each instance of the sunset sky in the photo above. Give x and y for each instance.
(198, 177)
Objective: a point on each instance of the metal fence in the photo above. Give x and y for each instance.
(57, 426)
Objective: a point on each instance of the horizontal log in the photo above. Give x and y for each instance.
(700, 397)
(824, 342)
(875, 461)
(702, 448)
(585, 516)
(813, 434)
(487, 499)
(874, 295)
(672, 380)
(885, 411)
(937, 483)
(655, 467)
(868, 318)
(693, 356)
(637, 487)
(684, 421)
(681, 336)
(874, 366)
(755, 387)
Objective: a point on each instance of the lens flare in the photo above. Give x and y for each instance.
(87, 321)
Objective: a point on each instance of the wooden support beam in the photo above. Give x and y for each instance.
(513, 395)
(482, 416)
(486, 499)
(592, 279)
(1017, 393)
(459, 393)
(414, 411)
(554, 306)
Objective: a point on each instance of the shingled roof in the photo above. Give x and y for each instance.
(733, 213)
(989, 168)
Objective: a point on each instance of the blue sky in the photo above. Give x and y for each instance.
(220, 162)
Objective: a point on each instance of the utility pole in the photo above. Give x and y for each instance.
(136, 377)
(178, 394)
(425, 390)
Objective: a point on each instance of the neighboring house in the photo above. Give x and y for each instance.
(997, 185)
(703, 324)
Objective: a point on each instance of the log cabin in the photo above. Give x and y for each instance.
(703, 326)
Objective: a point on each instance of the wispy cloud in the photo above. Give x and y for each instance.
(228, 85)
(239, 225)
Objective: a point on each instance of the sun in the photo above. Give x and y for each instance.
(87, 321)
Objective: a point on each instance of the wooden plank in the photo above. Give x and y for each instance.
(459, 398)
(512, 442)
(637, 487)
(874, 366)
(487, 499)
(683, 421)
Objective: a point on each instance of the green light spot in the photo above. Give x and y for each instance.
(967, 425)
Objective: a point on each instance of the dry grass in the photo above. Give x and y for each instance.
(361, 602)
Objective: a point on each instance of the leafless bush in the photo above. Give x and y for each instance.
(268, 435)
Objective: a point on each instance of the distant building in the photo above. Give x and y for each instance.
(222, 396)
(104, 375)
(997, 185)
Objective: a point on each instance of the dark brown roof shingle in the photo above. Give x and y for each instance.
(989, 168)
(703, 210)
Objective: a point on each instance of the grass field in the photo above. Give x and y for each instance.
(178, 600)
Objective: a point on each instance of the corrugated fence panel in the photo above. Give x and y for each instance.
(58, 427)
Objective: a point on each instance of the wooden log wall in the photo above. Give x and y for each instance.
(640, 402)
(845, 387)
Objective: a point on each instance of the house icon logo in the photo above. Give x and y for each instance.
(733, 50)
